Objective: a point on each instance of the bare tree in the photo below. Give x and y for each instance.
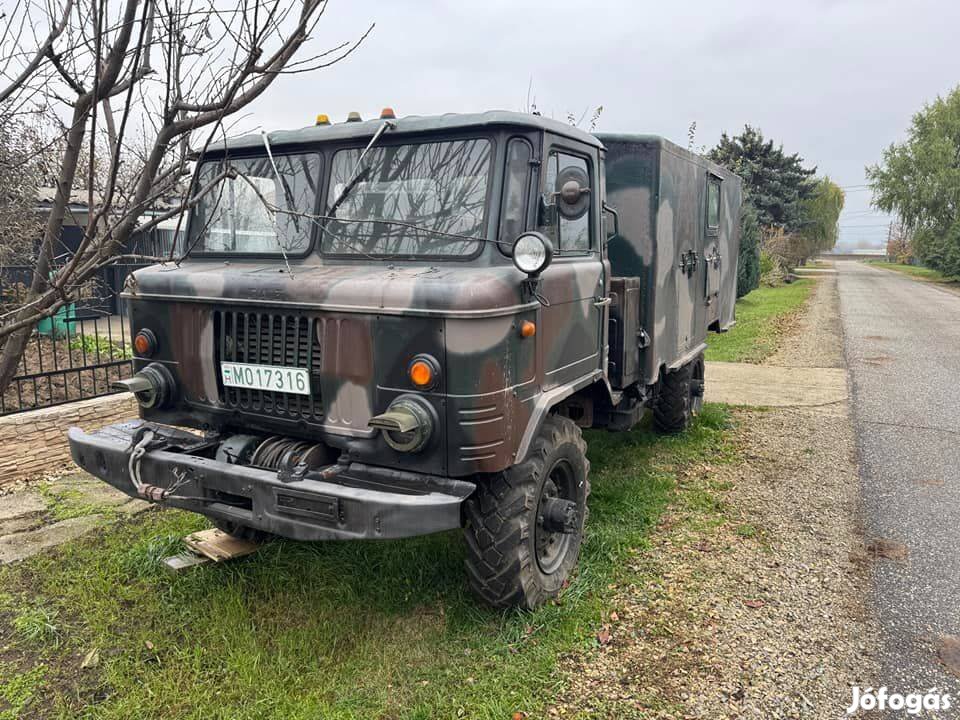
(899, 242)
(135, 84)
(23, 171)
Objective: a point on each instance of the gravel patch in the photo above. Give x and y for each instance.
(818, 337)
(750, 601)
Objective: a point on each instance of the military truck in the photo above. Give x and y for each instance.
(395, 327)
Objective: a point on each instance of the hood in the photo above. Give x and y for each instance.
(407, 289)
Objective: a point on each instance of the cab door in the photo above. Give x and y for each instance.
(575, 283)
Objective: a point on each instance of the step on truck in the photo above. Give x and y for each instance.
(395, 327)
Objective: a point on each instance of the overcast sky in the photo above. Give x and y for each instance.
(835, 81)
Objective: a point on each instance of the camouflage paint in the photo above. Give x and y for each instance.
(369, 318)
(660, 190)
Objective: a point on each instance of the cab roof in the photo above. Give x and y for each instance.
(410, 124)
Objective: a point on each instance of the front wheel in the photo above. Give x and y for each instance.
(525, 525)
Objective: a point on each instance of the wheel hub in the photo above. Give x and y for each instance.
(557, 518)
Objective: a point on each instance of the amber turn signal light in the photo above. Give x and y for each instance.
(527, 329)
(145, 343)
(421, 374)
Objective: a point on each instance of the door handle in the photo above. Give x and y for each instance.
(688, 262)
(603, 302)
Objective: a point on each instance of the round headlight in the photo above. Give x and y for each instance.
(532, 252)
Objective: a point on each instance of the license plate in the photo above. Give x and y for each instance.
(266, 377)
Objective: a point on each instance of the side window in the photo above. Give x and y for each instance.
(713, 203)
(513, 216)
(571, 234)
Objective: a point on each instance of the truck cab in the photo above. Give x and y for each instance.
(395, 327)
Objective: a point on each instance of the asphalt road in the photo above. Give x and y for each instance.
(902, 343)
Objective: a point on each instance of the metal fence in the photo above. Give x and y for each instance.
(74, 355)
(77, 353)
(85, 347)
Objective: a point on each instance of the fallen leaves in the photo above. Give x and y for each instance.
(754, 603)
(91, 659)
(888, 549)
(604, 636)
(949, 653)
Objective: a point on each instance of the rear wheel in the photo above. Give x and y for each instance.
(680, 397)
(525, 525)
(243, 532)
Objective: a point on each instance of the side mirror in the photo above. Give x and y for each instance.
(573, 193)
(612, 212)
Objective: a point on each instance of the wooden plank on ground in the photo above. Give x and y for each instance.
(218, 545)
(184, 561)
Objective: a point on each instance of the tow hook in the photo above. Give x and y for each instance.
(147, 492)
(559, 515)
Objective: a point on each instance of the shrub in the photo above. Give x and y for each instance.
(939, 249)
(748, 262)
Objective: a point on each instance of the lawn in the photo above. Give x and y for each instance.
(917, 271)
(763, 316)
(324, 630)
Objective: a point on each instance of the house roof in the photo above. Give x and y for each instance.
(78, 198)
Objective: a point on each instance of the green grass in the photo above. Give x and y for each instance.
(36, 625)
(917, 271)
(96, 346)
(66, 503)
(762, 317)
(325, 630)
(18, 691)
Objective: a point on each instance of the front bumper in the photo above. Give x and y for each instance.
(363, 502)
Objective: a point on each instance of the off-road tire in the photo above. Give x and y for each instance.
(243, 532)
(503, 564)
(680, 397)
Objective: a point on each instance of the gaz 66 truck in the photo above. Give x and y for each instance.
(394, 327)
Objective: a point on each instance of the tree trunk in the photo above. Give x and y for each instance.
(17, 341)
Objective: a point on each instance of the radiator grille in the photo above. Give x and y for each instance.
(270, 339)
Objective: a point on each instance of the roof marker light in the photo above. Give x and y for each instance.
(323, 119)
(388, 114)
(354, 116)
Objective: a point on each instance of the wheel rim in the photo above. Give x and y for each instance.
(552, 546)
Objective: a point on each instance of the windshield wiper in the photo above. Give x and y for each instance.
(347, 189)
(357, 175)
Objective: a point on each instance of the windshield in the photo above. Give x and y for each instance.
(232, 217)
(441, 188)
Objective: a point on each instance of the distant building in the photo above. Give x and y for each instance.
(101, 296)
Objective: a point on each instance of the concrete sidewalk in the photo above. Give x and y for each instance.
(770, 386)
(34, 518)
